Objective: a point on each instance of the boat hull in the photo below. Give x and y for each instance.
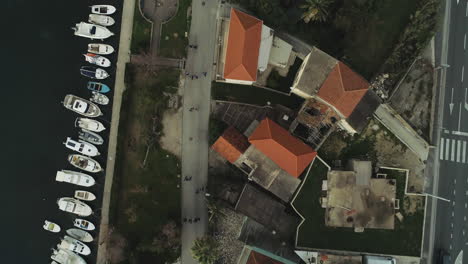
(101, 49)
(89, 124)
(81, 106)
(84, 224)
(80, 234)
(84, 163)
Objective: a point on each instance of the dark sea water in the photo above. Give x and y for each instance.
(40, 65)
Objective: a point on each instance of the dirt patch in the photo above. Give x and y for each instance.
(392, 153)
(413, 99)
(116, 247)
(172, 132)
(413, 204)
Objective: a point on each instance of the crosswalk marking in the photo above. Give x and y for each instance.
(453, 150)
(441, 149)
(464, 152)
(452, 157)
(447, 148)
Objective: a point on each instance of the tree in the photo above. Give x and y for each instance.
(205, 250)
(316, 10)
(214, 210)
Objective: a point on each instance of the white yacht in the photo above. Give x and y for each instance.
(103, 9)
(74, 206)
(81, 106)
(101, 20)
(99, 48)
(84, 163)
(82, 147)
(97, 60)
(74, 245)
(92, 31)
(51, 227)
(75, 177)
(99, 98)
(80, 235)
(84, 224)
(64, 256)
(90, 137)
(85, 195)
(89, 124)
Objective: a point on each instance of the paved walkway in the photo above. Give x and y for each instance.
(159, 12)
(402, 130)
(140, 59)
(123, 58)
(195, 145)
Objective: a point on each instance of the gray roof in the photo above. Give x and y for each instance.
(363, 111)
(313, 72)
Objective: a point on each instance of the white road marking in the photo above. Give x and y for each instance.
(450, 247)
(466, 12)
(466, 205)
(463, 232)
(464, 218)
(453, 203)
(446, 131)
(451, 235)
(464, 152)
(458, 150)
(454, 192)
(463, 73)
(452, 157)
(453, 214)
(459, 118)
(441, 149)
(460, 133)
(447, 148)
(464, 41)
(451, 224)
(455, 181)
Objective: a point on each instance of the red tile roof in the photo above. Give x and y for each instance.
(243, 46)
(231, 144)
(288, 152)
(258, 258)
(343, 89)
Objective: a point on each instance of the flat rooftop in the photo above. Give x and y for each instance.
(360, 206)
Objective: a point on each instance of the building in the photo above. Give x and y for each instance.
(254, 255)
(332, 82)
(315, 257)
(272, 157)
(246, 46)
(355, 200)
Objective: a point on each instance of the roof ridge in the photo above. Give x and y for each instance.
(340, 78)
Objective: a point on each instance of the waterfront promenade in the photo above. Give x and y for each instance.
(122, 59)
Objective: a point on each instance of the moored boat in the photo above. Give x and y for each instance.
(51, 227)
(89, 124)
(81, 106)
(99, 98)
(91, 31)
(64, 256)
(97, 59)
(74, 206)
(85, 163)
(101, 49)
(84, 224)
(84, 195)
(90, 137)
(80, 235)
(75, 177)
(98, 87)
(103, 9)
(74, 245)
(102, 20)
(93, 72)
(82, 147)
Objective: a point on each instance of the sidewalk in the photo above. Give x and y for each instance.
(123, 58)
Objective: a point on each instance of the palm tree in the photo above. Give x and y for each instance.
(214, 210)
(205, 250)
(316, 10)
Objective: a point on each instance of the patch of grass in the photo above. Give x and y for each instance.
(141, 36)
(216, 129)
(145, 194)
(283, 84)
(252, 95)
(353, 147)
(173, 43)
(405, 239)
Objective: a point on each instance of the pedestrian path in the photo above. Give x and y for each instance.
(453, 150)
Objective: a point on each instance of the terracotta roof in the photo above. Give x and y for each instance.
(288, 152)
(231, 144)
(258, 258)
(343, 89)
(243, 46)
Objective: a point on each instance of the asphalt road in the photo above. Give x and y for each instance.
(195, 121)
(451, 158)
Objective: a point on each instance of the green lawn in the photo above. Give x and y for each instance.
(146, 198)
(173, 43)
(283, 84)
(404, 240)
(252, 95)
(141, 36)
